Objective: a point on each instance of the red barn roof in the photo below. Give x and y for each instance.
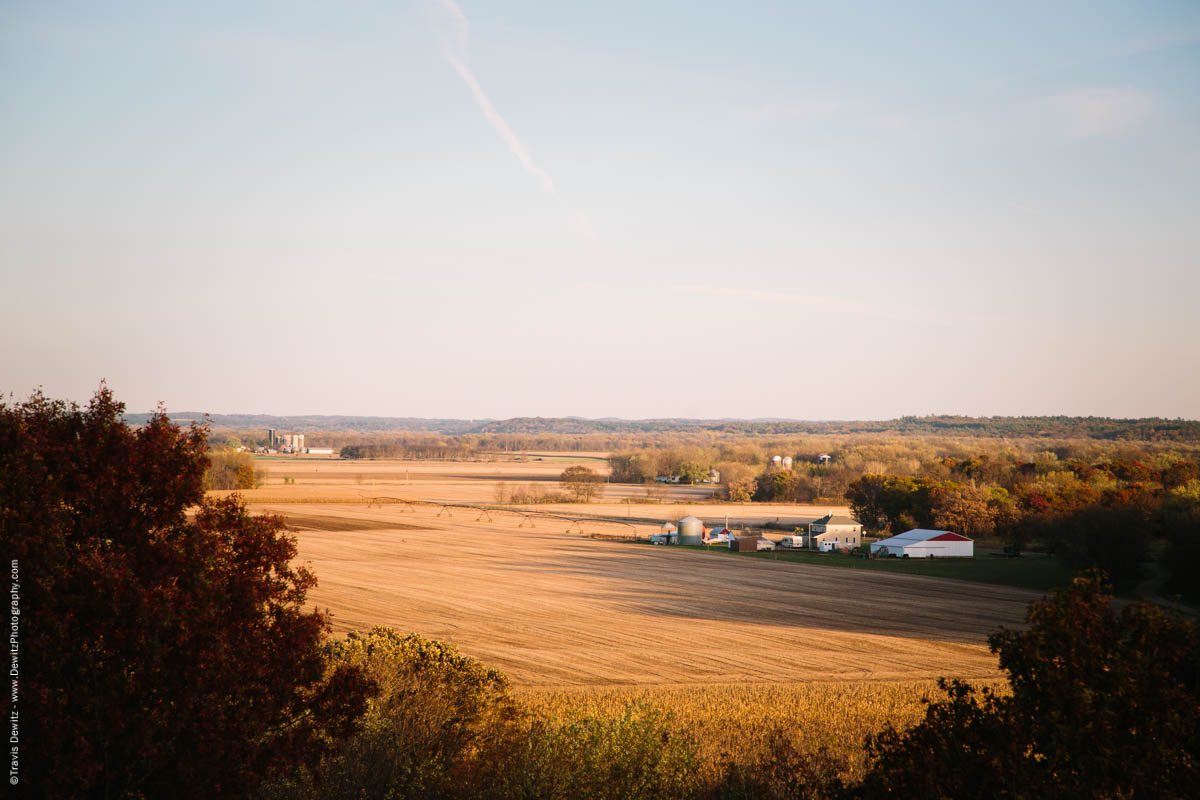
(949, 537)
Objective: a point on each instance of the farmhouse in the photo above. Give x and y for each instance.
(834, 532)
(923, 543)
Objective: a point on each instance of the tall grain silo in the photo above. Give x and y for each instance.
(691, 530)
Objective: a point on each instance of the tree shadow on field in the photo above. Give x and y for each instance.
(720, 587)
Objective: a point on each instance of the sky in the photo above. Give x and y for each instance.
(452, 208)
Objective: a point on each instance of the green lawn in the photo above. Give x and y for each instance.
(1027, 572)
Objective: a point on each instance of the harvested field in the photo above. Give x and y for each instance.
(330, 522)
(557, 609)
(344, 481)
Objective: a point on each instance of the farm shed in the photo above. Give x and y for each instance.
(719, 534)
(751, 544)
(924, 543)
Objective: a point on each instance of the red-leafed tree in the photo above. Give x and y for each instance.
(166, 649)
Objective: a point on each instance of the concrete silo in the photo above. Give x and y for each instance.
(691, 531)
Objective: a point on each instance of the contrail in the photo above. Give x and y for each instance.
(460, 60)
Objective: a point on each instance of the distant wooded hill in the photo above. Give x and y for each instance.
(1147, 429)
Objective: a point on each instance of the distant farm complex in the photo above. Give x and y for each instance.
(293, 443)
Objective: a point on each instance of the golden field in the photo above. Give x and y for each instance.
(552, 608)
(734, 647)
(736, 722)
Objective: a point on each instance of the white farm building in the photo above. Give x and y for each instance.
(923, 543)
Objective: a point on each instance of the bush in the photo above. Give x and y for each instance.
(1103, 704)
(641, 754)
(439, 727)
(228, 469)
(783, 771)
(444, 726)
(1181, 524)
(533, 495)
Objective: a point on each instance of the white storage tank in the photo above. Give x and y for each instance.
(691, 530)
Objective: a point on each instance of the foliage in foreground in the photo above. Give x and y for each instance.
(444, 726)
(1101, 703)
(168, 655)
(163, 655)
(748, 725)
(1104, 703)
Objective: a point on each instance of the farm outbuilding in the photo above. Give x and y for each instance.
(924, 543)
(691, 530)
(751, 544)
(667, 534)
(719, 534)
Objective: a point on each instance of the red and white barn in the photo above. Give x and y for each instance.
(924, 543)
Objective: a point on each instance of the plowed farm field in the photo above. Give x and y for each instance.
(556, 608)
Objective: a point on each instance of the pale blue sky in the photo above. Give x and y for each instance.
(636, 209)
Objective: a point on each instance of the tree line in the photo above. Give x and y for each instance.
(1054, 427)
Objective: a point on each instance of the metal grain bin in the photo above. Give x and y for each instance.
(691, 531)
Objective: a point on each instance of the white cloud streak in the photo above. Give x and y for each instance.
(458, 54)
(785, 298)
(831, 307)
(1085, 113)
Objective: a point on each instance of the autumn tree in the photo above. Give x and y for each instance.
(739, 480)
(634, 467)
(1103, 703)
(231, 470)
(1181, 527)
(583, 483)
(167, 652)
(866, 497)
(962, 509)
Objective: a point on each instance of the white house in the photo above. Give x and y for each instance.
(834, 532)
(923, 543)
